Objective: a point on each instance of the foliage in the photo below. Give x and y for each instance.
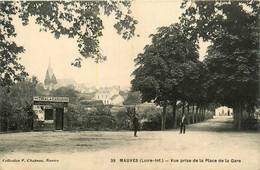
(94, 119)
(133, 98)
(158, 65)
(41, 91)
(67, 91)
(124, 117)
(250, 124)
(164, 66)
(123, 93)
(150, 117)
(232, 61)
(91, 103)
(11, 70)
(75, 19)
(16, 106)
(86, 96)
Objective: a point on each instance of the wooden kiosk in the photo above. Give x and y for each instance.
(49, 112)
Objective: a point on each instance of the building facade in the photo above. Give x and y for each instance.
(109, 96)
(49, 112)
(224, 111)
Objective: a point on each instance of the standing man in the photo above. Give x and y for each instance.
(135, 123)
(183, 124)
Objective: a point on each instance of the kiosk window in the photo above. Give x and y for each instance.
(48, 114)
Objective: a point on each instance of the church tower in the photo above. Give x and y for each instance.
(50, 70)
(50, 79)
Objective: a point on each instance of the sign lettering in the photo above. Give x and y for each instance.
(50, 99)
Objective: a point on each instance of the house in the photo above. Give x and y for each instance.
(116, 100)
(109, 96)
(223, 111)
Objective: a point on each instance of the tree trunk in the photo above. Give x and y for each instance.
(239, 119)
(235, 114)
(188, 113)
(240, 116)
(204, 111)
(174, 115)
(164, 116)
(193, 120)
(197, 112)
(200, 109)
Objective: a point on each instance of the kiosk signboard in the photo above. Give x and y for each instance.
(50, 99)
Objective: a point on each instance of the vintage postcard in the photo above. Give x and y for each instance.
(143, 84)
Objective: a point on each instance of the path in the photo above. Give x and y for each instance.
(209, 141)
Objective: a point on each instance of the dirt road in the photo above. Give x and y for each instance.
(207, 145)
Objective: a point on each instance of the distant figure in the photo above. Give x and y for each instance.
(183, 124)
(135, 123)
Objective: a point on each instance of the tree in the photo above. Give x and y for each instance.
(34, 80)
(68, 91)
(133, 98)
(232, 59)
(16, 106)
(158, 75)
(190, 86)
(10, 70)
(41, 90)
(75, 19)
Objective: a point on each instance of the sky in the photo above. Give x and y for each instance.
(117, 69)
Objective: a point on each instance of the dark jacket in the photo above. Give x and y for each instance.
(184, 121)
(135, 122)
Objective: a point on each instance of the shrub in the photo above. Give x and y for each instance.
(149, 117)
(250, 124)
(209, 114)
(93, 103)
(16, 112)
(123, 117)
(92, 119)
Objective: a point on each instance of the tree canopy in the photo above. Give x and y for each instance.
(76, 19)
(159, 64)
(169, 69)
(233, 58)
(67, 91)
(162, 66)
(133, 98)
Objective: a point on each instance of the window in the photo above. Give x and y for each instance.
(48, 114)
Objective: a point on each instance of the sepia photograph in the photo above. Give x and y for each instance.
(129, 84)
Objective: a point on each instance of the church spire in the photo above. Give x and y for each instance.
(49, 62)
(50, 70)
(50, 79)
